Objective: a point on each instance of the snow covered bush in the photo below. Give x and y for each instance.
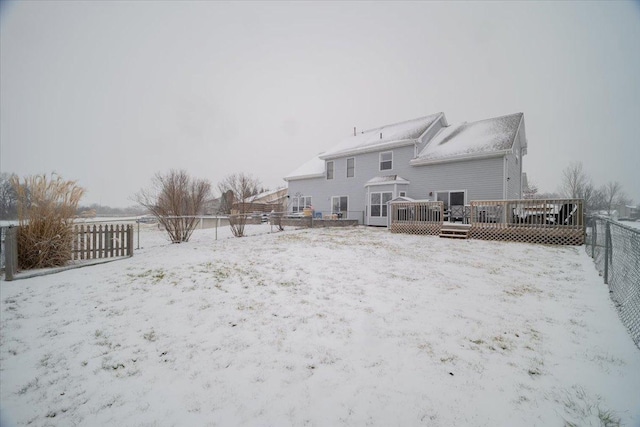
(46, 208)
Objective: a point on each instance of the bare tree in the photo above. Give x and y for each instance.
(574, 181)
(8, 197)
(578, 185)
(613, 195)
(530, 190)
(226, 202)
(237, 190)
(175, 198)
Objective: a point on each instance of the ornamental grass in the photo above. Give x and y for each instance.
(46, 208)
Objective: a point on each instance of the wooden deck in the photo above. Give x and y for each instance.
(549, 221)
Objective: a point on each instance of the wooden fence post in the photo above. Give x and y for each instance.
(607, 250)
(11, 253)
(130, 240)
(594, 237)
(108, 242)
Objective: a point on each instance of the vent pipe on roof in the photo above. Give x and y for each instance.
(354, 131)
(380, 135)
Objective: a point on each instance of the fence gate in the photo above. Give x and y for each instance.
(98, 241)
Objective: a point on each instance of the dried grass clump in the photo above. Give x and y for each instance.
(46, 208)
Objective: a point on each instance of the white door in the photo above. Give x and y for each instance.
(378, 207)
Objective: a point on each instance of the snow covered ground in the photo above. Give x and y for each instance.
(351, 326)
(632, 224)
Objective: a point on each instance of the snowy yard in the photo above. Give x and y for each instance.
(319, 327)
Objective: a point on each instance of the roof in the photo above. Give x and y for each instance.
(484, 137)
(268, 196)
(382, 137)
(311, 169)
(388, 179)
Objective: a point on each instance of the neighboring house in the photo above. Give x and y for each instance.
(274, 200)
(424, 158)
(627, 212)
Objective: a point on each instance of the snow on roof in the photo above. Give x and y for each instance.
(268, 196)
(387, 179)
(394, 133)
(311, 169)
(481, 137)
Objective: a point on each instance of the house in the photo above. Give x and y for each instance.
(627, 212)
(273, 200)
(424, 158)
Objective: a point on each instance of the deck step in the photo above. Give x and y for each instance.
(455, 232)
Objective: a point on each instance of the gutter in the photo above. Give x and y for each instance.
(295, 178)
(372, 149)
(464, 157)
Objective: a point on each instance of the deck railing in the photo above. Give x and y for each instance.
(419, 217)
(536, 213)
(549, 221)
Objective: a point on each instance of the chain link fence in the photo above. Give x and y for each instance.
(615, 249)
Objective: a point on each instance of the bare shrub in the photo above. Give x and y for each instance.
(239, 189)
(46, 208)
(176, 198)
(8, 197)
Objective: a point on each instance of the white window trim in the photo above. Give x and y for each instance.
(333, 170)
(339, 197)
(295, 203)
(381, 203)
(435, 194)
(402, 193)
(354, 167)
(380, 161)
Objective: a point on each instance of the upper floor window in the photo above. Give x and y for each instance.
(386, 160)
(351, 167)
(330, 170)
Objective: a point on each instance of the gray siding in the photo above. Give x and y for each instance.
(481, 179)
(514, 169)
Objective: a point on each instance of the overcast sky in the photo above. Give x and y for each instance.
(109, 93)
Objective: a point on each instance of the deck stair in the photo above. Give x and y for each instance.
(455, 231)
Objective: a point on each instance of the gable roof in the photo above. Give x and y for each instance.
(388, 136)
(270, 196)
(314, 168)
(477, 139)
(387, 179)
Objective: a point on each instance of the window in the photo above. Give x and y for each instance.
(329, 170)
(386, 161)
(299, 203)
(403, 194)
(379, 203)
(340, 205)
(351, 167)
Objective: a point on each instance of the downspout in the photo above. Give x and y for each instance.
(521, 160)
(504, 178)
